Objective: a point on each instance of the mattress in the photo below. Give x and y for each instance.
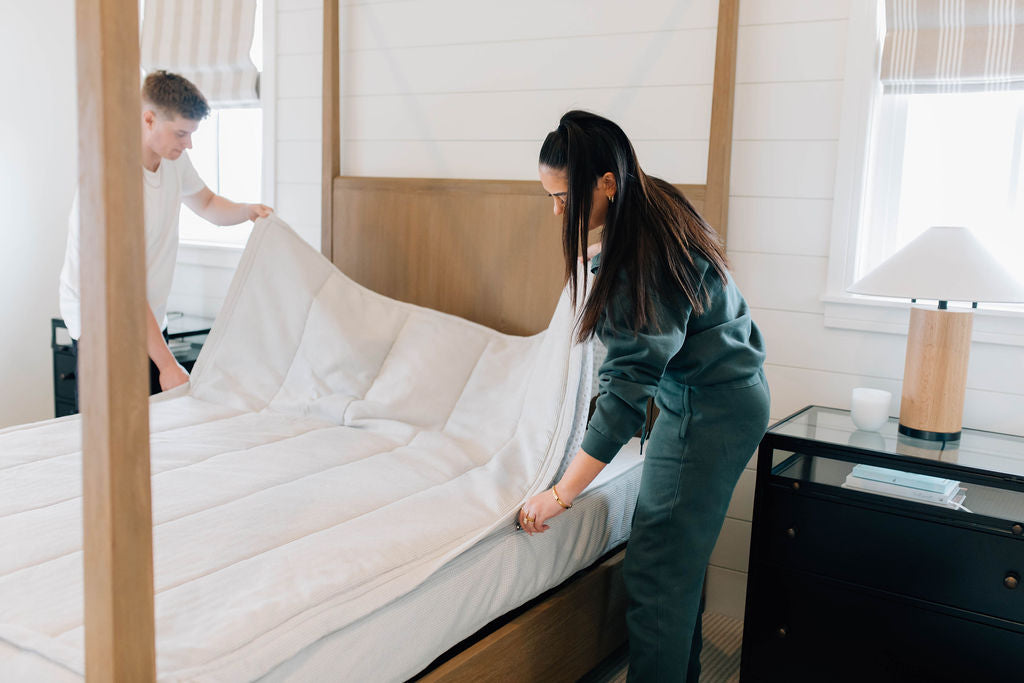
(320, 418)
(498, 574)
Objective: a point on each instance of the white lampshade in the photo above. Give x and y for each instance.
(946, 264)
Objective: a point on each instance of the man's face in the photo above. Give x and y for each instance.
(168, 138)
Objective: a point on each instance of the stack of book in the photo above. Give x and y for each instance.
(917, 487)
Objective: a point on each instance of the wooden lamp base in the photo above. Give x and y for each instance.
(935, 373)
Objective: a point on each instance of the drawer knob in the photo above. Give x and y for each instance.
(796, 486)
(790, 532)
(782, 632)
(1012, 580)
(1017, 529)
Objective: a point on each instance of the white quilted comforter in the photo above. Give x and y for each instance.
(332, 450)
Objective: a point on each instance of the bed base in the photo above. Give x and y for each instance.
(559, 636)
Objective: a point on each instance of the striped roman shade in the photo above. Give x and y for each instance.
(935, 46)
(207, 42)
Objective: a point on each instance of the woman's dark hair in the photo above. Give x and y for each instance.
(650, 234)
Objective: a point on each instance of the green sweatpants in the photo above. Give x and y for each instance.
(703, 438)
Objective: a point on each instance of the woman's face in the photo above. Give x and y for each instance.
(556, 184)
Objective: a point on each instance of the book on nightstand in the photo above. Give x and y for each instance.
(905, 485)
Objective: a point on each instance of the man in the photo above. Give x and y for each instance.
(172, 108)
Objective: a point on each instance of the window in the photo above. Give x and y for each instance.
(228, 155)
(932, 134)
(945, 159)
(915, 157)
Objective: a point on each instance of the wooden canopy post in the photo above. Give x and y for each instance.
(331, 126)
(716, 205)
(117, 517)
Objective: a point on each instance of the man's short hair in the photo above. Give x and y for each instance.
(173, 94)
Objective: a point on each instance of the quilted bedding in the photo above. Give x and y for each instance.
(332, 450)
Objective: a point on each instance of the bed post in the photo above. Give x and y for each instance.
(331, 126)
(117, 518)
(716, 205)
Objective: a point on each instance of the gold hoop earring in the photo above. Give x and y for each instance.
(611, 199)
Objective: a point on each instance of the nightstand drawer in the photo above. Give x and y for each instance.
(64, 377)
(64, 408)
(969, 569)
(810, 629)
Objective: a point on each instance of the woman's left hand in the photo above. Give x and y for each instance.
(537, 511)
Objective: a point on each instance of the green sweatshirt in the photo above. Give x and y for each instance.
(722, 347)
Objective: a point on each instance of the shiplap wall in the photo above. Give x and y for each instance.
(458, 88)
(298, 56)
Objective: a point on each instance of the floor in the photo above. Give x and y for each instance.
(720, 658)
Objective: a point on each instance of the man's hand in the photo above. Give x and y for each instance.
(221, 211)
(258, 211)
(172, 376)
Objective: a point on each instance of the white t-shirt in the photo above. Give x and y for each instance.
(162, 191)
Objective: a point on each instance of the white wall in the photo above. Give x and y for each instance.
(38, 169)
(459, 88)
(298, 72)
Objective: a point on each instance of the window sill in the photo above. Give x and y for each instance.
(209, 254)
(870, 314)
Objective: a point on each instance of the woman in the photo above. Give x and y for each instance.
(676, 328)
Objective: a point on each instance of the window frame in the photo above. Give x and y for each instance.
(862, 92)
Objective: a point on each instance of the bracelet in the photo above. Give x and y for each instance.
(554, 492)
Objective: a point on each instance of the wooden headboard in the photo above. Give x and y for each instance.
(486, 250)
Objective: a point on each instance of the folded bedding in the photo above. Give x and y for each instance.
(333, 449)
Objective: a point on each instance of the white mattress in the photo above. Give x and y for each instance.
(321, 418)
(498, 574)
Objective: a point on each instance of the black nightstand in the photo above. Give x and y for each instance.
(185, 336)
(848, 585)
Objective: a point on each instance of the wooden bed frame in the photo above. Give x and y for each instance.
(485, 250)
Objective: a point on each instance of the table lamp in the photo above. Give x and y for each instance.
(944, 264)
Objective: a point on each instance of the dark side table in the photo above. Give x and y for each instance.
(185, 336)
(849, 585)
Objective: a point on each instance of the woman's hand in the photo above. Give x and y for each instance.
(542, 507)
(537, 511)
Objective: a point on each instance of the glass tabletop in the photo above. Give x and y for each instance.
(987, 451)
(971, 498)
(187, 325)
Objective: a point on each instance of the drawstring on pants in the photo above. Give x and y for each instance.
(648, 424)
